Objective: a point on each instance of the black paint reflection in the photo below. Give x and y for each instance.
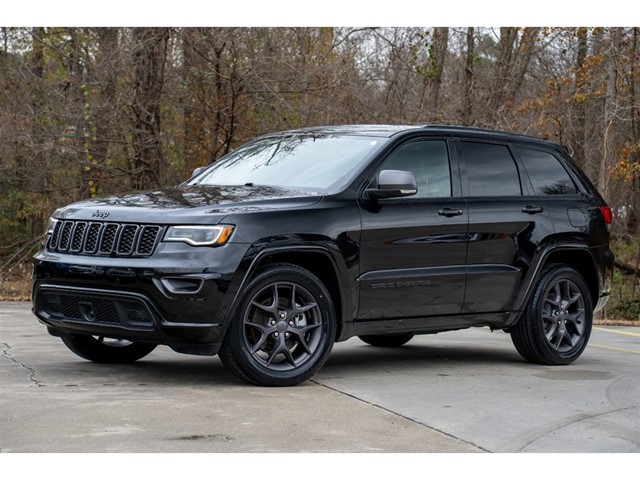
(196, 196)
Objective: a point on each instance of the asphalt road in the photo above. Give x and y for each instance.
(465, 391)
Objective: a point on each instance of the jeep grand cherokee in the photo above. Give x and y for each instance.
(303, 238)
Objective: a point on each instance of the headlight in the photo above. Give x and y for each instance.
(199, 235)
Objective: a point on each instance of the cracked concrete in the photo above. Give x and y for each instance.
(456, 392)
(6, 354)
(177, 403)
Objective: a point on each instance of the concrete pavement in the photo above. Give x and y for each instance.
(465, 391)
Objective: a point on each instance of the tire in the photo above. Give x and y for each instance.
(107, 350)
(556, 325)
(393, 340)
(283, 329)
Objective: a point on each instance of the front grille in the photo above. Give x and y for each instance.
(108, 238)
(78, 236)
(127, 237)
(91, 241)
(100, 310)
(106, 310)
(147, 239)
(101, 238)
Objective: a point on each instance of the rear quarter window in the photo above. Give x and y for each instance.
(547, 175)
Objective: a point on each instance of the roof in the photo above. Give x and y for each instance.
(391, 130)
(369, 130)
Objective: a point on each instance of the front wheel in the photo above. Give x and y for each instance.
(283, 330)
(555, 327)
(107, 350)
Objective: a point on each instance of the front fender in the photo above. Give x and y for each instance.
(334, 269)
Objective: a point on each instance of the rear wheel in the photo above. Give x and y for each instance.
(107, 350)
(556, 325)
(392, 340)
(283, 330)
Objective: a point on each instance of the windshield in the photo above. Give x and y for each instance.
(305, 162)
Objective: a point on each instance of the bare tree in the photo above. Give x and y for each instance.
(467, 106)
(437, 58)
(150, 52)
(610, 110)
(515, 51)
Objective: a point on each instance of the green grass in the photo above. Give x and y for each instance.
(624, 302)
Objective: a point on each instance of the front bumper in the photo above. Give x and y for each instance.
(182, 303)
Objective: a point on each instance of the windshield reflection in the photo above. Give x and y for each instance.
(306, 162)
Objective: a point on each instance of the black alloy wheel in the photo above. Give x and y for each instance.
(556, 326)
(283, 330)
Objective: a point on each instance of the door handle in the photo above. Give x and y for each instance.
(531, 210)
(450, 212)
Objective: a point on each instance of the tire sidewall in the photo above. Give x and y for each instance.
(250, 367)
(535, 315)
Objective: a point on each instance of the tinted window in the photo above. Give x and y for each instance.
(547, 175)
(491, 170)
(429, 162)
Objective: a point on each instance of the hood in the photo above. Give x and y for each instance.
(197, 204)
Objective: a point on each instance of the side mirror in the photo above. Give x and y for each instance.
(394, 183)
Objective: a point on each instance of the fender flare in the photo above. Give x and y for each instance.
(538, 263)
(253, 263)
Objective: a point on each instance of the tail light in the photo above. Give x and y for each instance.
(607, 214)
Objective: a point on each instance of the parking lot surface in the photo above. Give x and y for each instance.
(466, 391)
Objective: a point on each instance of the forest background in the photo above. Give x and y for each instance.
(89, 112)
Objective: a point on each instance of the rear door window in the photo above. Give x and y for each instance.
(491, 170)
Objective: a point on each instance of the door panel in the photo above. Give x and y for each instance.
(412, 260)
(413, 250)
(506, 225)
(502, 242)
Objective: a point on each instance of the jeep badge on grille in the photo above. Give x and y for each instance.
(100, 214)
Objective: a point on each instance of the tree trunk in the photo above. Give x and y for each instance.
(467, 105)
(501, 73)
(79, 107)
(437, 57)
(150, 50)
(195, 51)
(579, 87)
(36, 180)
(520, 64)
(634, 74)
(610, 111)
(511, 67)
(103, 121)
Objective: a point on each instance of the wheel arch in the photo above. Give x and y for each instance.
(582, 261)
(575, 255)
(316, 259)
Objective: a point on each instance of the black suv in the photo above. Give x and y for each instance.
(303, 238)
